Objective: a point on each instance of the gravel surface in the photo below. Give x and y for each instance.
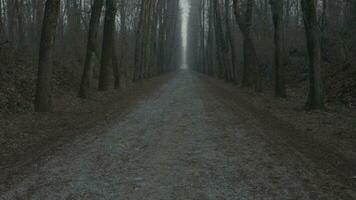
(189, 138)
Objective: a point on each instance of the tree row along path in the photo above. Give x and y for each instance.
(186, 137)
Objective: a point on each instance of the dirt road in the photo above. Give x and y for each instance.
(185, 140)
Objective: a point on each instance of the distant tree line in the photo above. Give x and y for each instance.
(103, 42)
(235, 39)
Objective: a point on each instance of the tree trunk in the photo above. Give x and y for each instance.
(11, 23)
(115, 65)
(20, 26)
(249, 50)
(43, 101)
(221, 44)
(230, 40)
(106, 56)
(211, 44)
(138, 55)
(2, 28)
(123, 42)
(86, 83)
(277, 15)
(316, 96)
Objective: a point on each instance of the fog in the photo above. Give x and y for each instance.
(185, 7)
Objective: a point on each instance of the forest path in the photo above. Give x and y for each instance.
(186, 140)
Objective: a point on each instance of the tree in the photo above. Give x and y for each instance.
(115, 65)
(123, 41)
(249, 50)
(277, 15)
(91, 56)
(138, 47)
(107, 49)
(230, 40)
(1, 21)
(315, 97)
(43, 99)
(221, 41)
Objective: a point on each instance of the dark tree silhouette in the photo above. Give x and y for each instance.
(43, 101)
(91, 56)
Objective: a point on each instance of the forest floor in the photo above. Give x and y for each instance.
(179, 136)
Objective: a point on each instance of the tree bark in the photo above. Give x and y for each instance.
(123, 42)
(138, 54)
(107, 51)
(20, 26)
(115, 65)
(43, 99)
(2, 28)
(277, 15)
(221, 44)
(249, 50)
(230, 40)
(315, 97)
(11, 23)
(86, 83)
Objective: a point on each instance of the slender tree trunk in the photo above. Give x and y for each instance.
(11, 23)
(2, 27)
(249, 50)
(39, 14)
(91, 57)
(20, 26)
(123, 42)
(222, 44)
(115, 65)
(106, 56)
(43, 101)
(138, 54)
(277, 15)
(161, 35)
(315, 96)
(211, 44)
(230, 40)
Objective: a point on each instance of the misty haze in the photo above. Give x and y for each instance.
(177, 99)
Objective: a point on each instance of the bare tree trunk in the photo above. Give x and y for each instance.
(161, 37)
(138, 55)
(316, 96)
(230, 40)
(277, 15)
(115, 65)
(211, 44)
(124, 44)
(106, 56)
(43, 101)
(38, 19)
(91, 57)
(20, 26)
(11, 22)
(221, 44)
(2, 28)
(250, 55)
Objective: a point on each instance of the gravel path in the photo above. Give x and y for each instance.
(185, 141)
